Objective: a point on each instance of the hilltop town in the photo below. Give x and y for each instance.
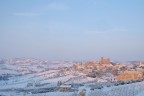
(117, 72)
(29, 76)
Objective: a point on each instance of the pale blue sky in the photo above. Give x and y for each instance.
(72, 29)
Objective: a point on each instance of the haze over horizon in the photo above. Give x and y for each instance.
(72, 29)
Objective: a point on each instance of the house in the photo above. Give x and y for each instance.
(130, 75)
(64, 88)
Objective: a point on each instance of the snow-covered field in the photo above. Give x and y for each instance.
(135, 89)
(32, 77)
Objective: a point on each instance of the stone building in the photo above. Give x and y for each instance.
(105, 61)
(130, 75)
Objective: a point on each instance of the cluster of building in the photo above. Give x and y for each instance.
(88, 67)
(104, 66)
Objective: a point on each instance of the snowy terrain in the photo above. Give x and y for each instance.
(33, 77)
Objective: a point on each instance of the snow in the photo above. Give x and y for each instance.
(24, 71)
(12, 72)
(141, 94)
